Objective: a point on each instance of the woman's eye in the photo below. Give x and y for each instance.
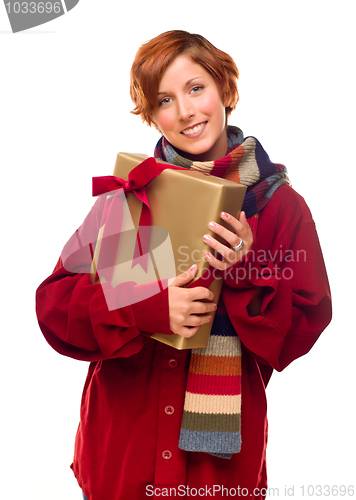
(196, 89)
(166, 100)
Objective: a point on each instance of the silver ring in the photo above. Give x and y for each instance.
(238, 247)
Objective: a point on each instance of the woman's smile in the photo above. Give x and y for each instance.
(195, 130)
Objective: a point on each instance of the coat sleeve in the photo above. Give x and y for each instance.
(285, 268)
(73, 313)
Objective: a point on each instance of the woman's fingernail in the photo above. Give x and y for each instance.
(193, 267)
(207, 238)
(207, 255)
(212, 225)
(224, 215)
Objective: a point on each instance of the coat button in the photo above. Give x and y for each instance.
(167, 455)
(169, 410)
(172, 362)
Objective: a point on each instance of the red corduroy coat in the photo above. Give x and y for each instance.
(127, 441)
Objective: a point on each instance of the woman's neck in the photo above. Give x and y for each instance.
(219, 150)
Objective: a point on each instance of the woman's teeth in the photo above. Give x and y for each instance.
(194, 129)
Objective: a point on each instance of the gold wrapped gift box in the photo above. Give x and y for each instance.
(182, 202)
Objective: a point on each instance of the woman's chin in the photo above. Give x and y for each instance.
(195, 151)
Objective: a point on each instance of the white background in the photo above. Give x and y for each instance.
(65, 114)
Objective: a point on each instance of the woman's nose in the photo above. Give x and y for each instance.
(185, 108)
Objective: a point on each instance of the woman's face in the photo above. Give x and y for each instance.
(189, 111)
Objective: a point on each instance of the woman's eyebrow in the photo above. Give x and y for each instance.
(187, 83)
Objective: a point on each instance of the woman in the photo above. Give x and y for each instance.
(150, 426)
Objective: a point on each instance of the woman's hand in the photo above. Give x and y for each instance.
(189, 308)
(240, 231)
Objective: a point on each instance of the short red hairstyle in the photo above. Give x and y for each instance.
(154, 57)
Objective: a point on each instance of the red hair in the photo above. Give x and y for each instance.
(154, 57)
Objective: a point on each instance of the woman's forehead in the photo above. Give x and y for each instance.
(183, 70)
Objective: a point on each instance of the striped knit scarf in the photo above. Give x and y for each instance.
(212, 408)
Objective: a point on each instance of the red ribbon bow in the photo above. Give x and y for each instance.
(112, 216)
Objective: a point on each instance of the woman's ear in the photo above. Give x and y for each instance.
(227, 113)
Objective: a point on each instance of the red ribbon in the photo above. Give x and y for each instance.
(112, 216)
